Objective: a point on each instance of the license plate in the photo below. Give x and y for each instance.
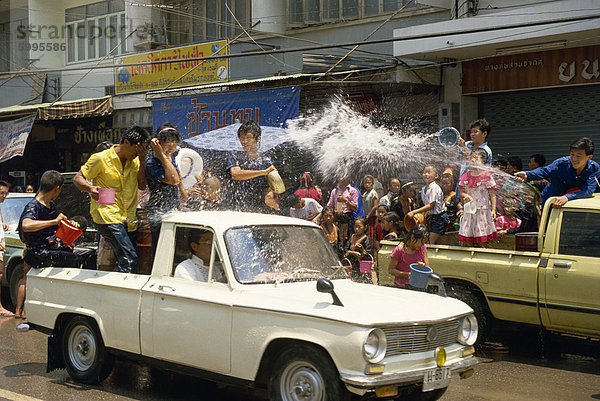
(436, 378)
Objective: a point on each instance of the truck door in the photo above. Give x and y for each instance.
(186, 315)
(571, 279)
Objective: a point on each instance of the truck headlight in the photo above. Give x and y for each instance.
(467, 330)
(375, 346)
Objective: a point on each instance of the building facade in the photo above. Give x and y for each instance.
(529, 67)
(78, 45)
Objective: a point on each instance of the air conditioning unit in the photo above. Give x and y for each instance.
(449, 115)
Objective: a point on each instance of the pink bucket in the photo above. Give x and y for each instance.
(365, 266)
(106, 196)
(67, 232)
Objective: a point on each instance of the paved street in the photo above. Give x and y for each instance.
(517, 375)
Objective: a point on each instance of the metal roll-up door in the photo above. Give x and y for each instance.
(541, 121)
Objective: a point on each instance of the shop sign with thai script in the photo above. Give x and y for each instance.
(553, 68)
(199, 114)
(86, 135)
(147, 77)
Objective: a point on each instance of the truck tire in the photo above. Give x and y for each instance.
(303, 372)
(476, 301)
(84, 354)
(16, 277)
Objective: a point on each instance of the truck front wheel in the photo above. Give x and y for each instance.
(85, 356)
(477, 302)
(303, 372)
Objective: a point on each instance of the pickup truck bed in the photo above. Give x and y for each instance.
(555, 287)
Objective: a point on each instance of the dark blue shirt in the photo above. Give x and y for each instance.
(249, 194)
(563, 178)
(36, 211)
(163, 197)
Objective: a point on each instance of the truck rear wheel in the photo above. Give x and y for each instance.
(477, 302)
(84, 354)
(303, 372)
(16, 278)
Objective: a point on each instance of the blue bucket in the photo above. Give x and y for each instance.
(448, 137)
(419, 275)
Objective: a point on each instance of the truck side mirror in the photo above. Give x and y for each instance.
(326, 286)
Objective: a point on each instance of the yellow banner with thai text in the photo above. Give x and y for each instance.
(181, 71)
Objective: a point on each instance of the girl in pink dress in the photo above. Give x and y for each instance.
(412, 250)
(508, 220)
(477, 186)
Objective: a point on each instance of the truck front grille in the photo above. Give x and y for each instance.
(411, 339)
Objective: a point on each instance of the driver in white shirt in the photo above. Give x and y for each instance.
(196, 267)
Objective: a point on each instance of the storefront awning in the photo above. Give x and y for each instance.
(271, 82)
(519, 30)
(62, 110)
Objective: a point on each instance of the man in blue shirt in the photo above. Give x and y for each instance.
(249, 171)
(480, 129)
(163, 178)
(571, 177)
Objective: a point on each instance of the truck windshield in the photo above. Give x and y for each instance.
(265, 254)
(12, 209)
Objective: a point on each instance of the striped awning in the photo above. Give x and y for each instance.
(62, 110)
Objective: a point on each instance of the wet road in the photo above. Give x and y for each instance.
(517, 373)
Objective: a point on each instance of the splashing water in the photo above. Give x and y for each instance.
(347, 143)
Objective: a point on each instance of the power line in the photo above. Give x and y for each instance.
(570, 20)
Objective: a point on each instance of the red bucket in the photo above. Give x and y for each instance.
(67, 232)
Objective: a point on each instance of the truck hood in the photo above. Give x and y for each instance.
(364, 304)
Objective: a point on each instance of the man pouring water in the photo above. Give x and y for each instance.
(249, 172)
(116, 172)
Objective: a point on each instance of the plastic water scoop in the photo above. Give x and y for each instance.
(469, 207)
(365, 266)
(106, 196)
(275, 182)
(67, 232)
(448, 137)
(419, 275)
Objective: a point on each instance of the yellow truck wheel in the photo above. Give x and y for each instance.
(476, 300)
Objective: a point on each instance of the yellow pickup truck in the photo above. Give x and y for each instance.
(557, 287)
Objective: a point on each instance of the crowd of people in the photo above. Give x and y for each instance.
(480, 204)
(133, 183)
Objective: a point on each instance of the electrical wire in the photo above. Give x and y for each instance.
(563, 21)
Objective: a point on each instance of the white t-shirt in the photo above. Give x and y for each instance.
(433, 193)
(310, 210)
(194, 269)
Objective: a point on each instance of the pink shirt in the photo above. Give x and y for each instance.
(351, 194)
(405, 260)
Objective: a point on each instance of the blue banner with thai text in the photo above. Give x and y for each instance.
(196, 115)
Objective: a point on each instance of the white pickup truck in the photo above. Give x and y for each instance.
(264, 313)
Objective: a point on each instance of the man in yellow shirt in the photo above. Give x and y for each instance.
(117, 168)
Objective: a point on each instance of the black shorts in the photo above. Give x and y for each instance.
(438, 223)
(44, 257)
(346, 218)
